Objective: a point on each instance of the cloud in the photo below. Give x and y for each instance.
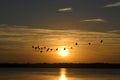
(93, 20)
(33, 34)
(116, 4)
(65, 9)
(115, 31)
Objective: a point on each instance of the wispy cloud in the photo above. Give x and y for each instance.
(93, 20)
(30, 35)
(116, 4)
(65, 9)
(115, 31)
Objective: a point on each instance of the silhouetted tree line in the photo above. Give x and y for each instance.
(60, 65)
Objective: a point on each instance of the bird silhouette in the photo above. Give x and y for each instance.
(41, 51)
(101, 41)
(64, 48)
(44, 47)
(47, 50)
(76, 43)
(70, 47)
(57, 49)
(51, 49)
(89, 43)
(41, 48)
(32, 46)
(36, 48)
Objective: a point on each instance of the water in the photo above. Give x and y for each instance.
(58, 74)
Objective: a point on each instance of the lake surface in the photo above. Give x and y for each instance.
(58, 74)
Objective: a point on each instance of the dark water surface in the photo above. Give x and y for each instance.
(58, 74)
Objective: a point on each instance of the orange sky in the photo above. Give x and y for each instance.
(60, 24)
(18, 47)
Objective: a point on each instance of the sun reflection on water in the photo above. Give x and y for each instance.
(63, 74)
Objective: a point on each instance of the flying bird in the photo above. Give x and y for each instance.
(76, 43)
(47, 50)
(32, 46)
(101, 41)
(41, 51)
(89, 43)
(36, 48)
(57, 49)
(70, 47)
(51, 49)
(44, 47)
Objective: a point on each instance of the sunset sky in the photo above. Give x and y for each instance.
(60, 24)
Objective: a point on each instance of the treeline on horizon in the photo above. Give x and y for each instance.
(60, 65)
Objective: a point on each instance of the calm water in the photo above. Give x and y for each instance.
(58, 74)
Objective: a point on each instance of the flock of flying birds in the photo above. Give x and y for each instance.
(46, 49)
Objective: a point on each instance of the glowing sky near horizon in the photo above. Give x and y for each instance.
(60, 24)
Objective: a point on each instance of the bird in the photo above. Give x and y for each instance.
(39, 48)
(47, 50)
(36, 48)
(44, 47)
(32, 46)
(51, 49)
(41, 51)
(57, 49)
(101, 41)
(89, 43)
(76, 43)
(70, 47)
(64, 48)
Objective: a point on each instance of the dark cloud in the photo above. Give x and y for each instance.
(44, 14)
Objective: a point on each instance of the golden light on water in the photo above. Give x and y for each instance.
(63, 77)
(63, 74)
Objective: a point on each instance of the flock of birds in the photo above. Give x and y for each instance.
(42, 49)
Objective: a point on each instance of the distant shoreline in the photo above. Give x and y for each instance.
(61, 65)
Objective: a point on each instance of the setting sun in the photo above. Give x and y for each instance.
(63, 53)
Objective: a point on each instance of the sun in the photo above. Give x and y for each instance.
(63, 53)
